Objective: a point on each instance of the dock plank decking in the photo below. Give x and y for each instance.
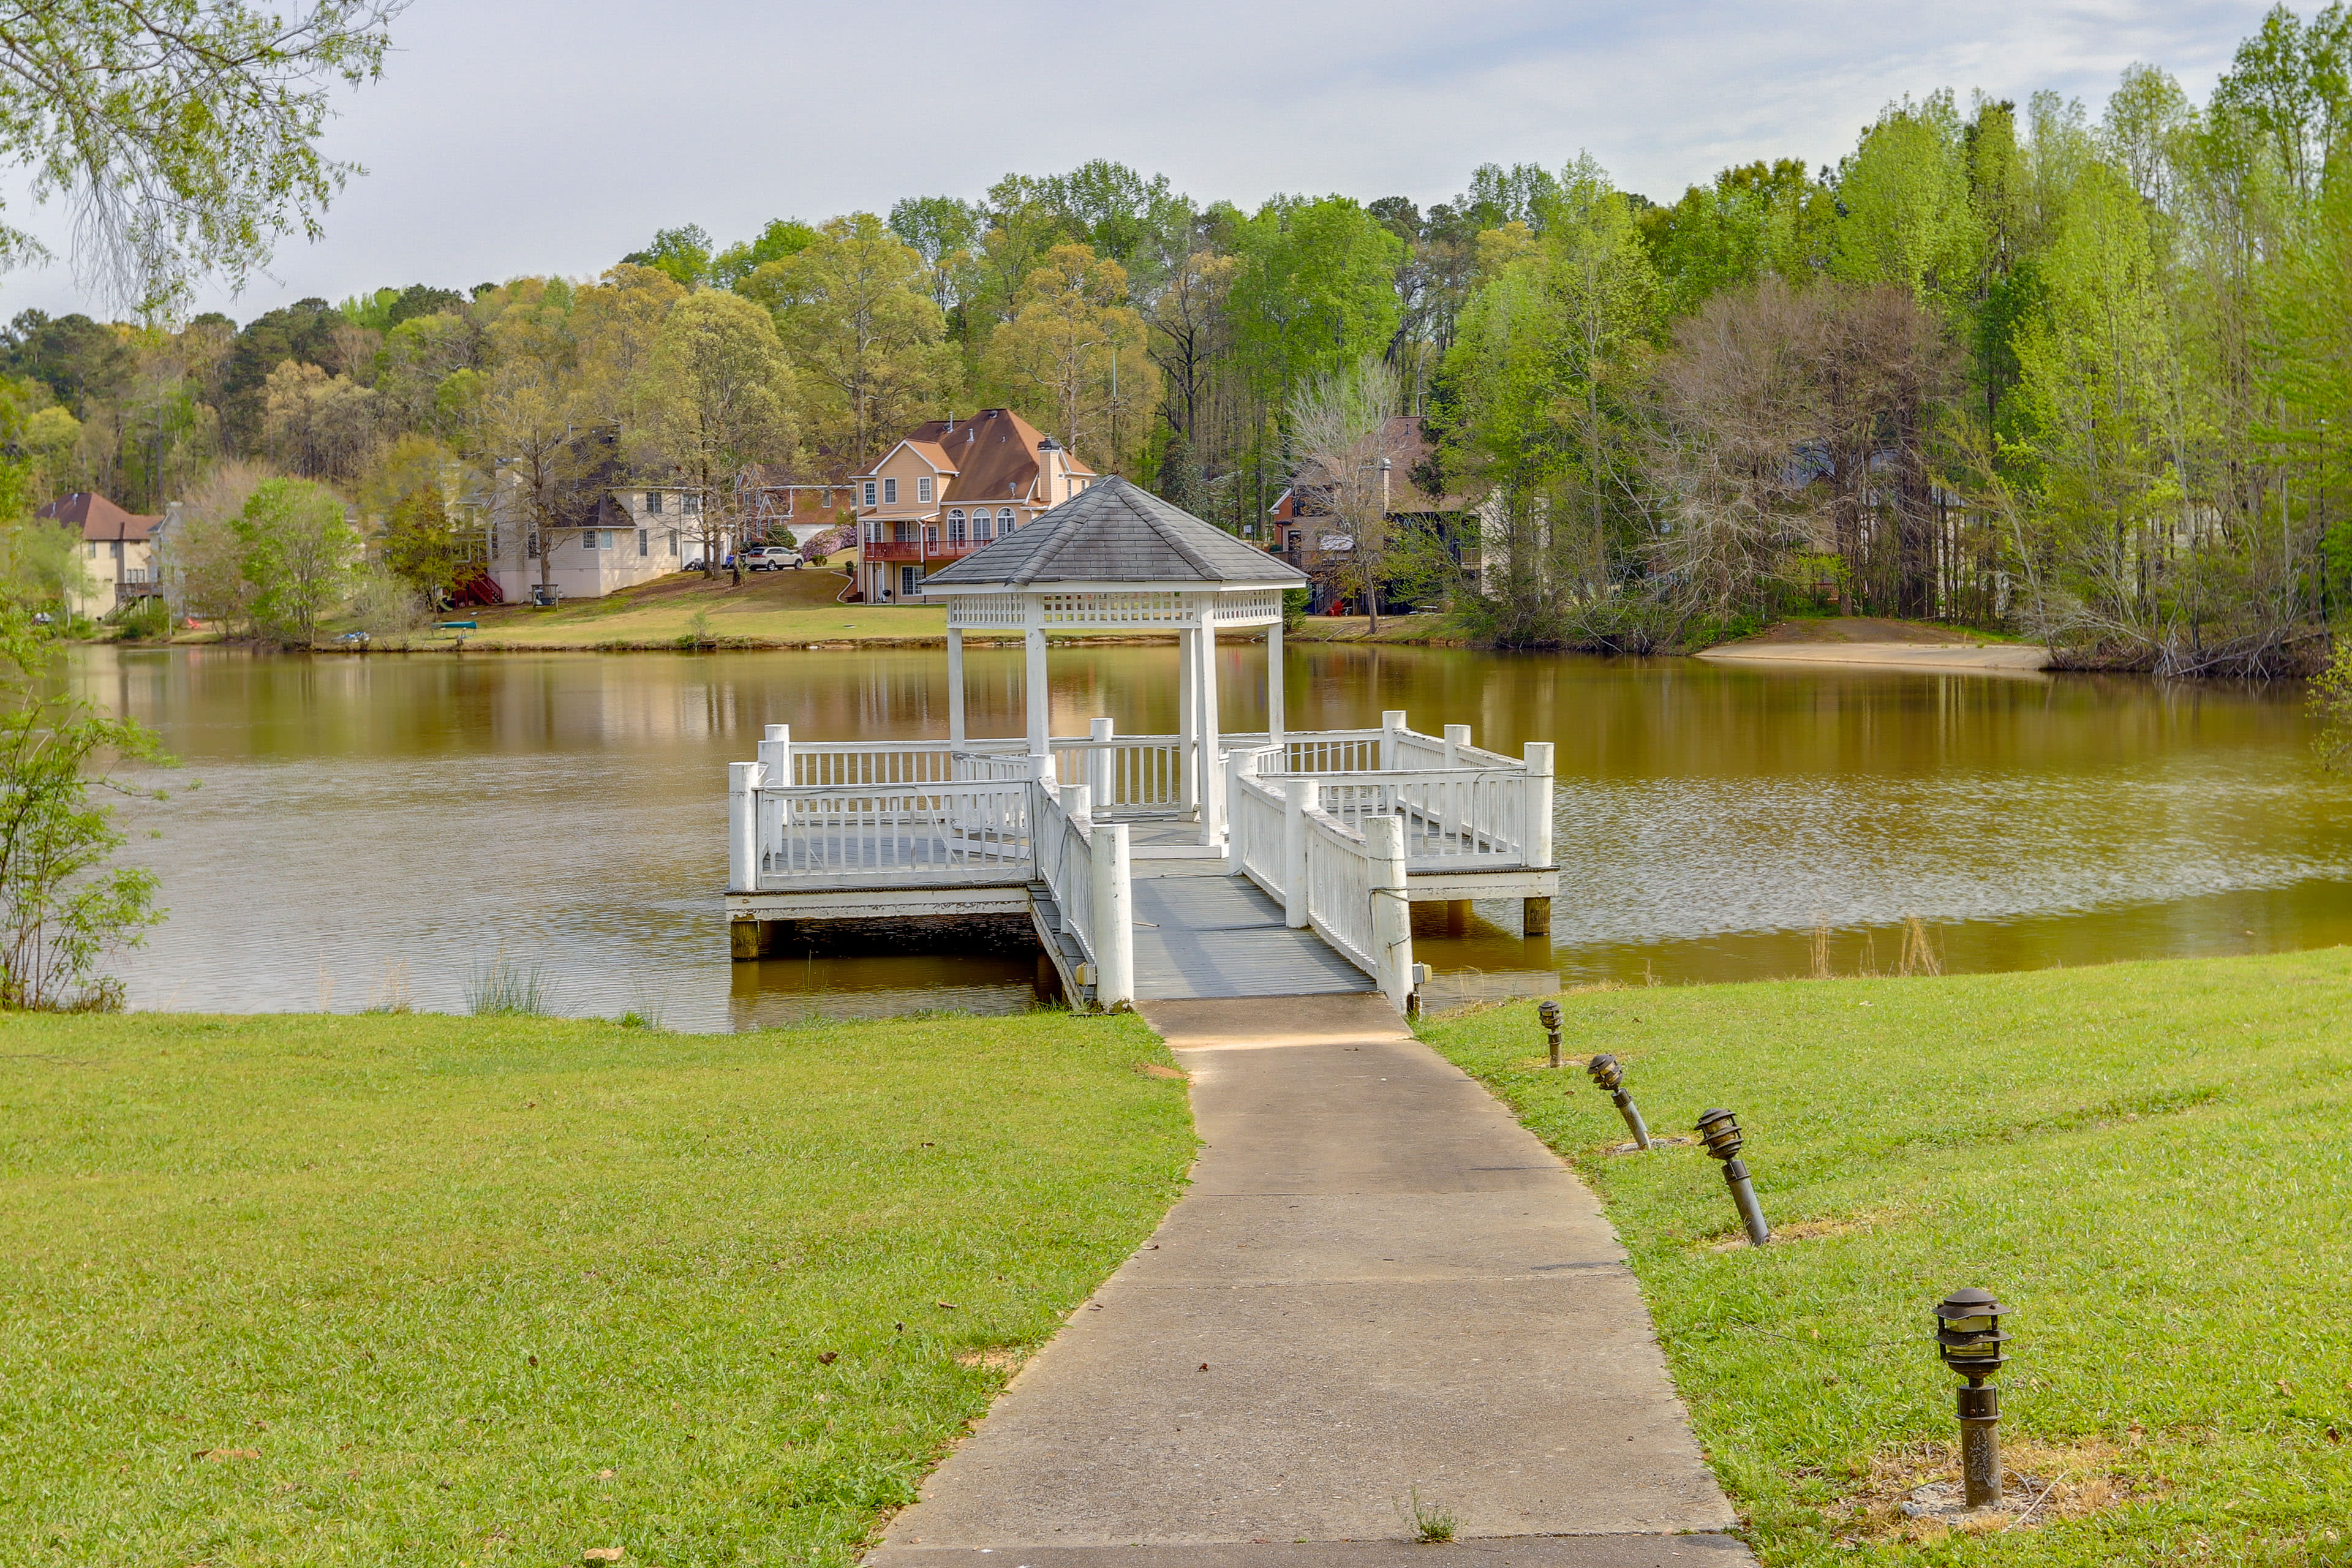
(1199, 937)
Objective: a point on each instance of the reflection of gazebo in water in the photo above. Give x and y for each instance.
(1203, 863)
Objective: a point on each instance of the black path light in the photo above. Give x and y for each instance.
(1609, 1074)
(1968, 1337)
(1548, 1012)
(1719, 1129)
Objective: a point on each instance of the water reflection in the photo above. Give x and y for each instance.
(369, 827)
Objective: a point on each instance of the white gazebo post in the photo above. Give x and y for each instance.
(1188, 686)
(1211, 770)
(1033, 665)
(955, 688)
(1274, 688)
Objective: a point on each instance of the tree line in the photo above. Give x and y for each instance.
(2082, 373)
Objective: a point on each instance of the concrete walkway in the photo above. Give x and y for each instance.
(1379, 1286)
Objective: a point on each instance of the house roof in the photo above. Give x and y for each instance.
(1404, 437)
(97, 518)
(1116, 531)
(993, 456)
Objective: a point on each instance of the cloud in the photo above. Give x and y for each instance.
(532, 136)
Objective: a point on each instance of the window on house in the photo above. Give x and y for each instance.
(1005, 522)
(587, 539)
(955, 526)
(116, 547)
(93, 548)
(642, 542)
(531, 545)
(869, 492)
(673, 542)
(653, 503)
(689, 503)
(930, 535)
(980, 526)
(923, 489)
(902, 533)
(889, 493)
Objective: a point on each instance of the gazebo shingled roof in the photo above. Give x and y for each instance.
(1114, 531)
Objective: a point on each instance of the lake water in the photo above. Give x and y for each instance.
(362, 828)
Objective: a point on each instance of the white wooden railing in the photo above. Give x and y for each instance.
(1086, 865)
(1346, 881)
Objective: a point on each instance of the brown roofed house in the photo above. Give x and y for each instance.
(950, 487)
(118, 549)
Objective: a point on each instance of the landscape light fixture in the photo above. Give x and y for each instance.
(1968, 1337)
(1609, 1074)
(1720, 1130)
(1548, 1012)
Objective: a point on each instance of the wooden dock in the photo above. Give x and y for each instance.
(1298, 884)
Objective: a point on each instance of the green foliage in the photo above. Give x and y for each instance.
(1315, 292)
(64, 906)
(184, 132)
(784, 236)
(683, 254)
(570, 1282)
(296, 551)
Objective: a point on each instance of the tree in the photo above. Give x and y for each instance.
(718, 394)
(318, 425)
(63, 907)
(784, 236)
(296, 550)
(1317, 290)
(1059, 357)
(522, 413)
(862, 333)
(1346, 443)
(683, 254)
(183, 133)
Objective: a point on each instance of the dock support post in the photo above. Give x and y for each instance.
(1114, 918)
(742, 827)
(1298, 797)
(1535, 917)
(955, 687)
(1276, 690)
(1102, 765)
(1213, 762)
(1392, 723)
(743, 940)
(1391, 916)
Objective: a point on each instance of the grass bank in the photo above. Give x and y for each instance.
(2148, 1163)
(332, 1289)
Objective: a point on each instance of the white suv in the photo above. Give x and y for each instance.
(770, 557)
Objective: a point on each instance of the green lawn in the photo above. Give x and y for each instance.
(432, 1290)
(2151, 1164)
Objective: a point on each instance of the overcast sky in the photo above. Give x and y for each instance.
(512, 136)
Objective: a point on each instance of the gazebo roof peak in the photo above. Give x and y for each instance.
(1116, 533)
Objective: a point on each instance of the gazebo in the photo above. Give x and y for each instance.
(1118, 559)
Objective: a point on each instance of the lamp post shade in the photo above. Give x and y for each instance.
(1605, 1073)
(1968, 1334)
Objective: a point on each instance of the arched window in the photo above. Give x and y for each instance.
(1004, 520)
(980, 534)
(955, 526)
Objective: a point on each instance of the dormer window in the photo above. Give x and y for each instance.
(923, 489)
(889, 493)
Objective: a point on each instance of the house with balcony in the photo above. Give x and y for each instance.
(951, 487)
(117, 551)
(779, 504)
(1300, 529)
